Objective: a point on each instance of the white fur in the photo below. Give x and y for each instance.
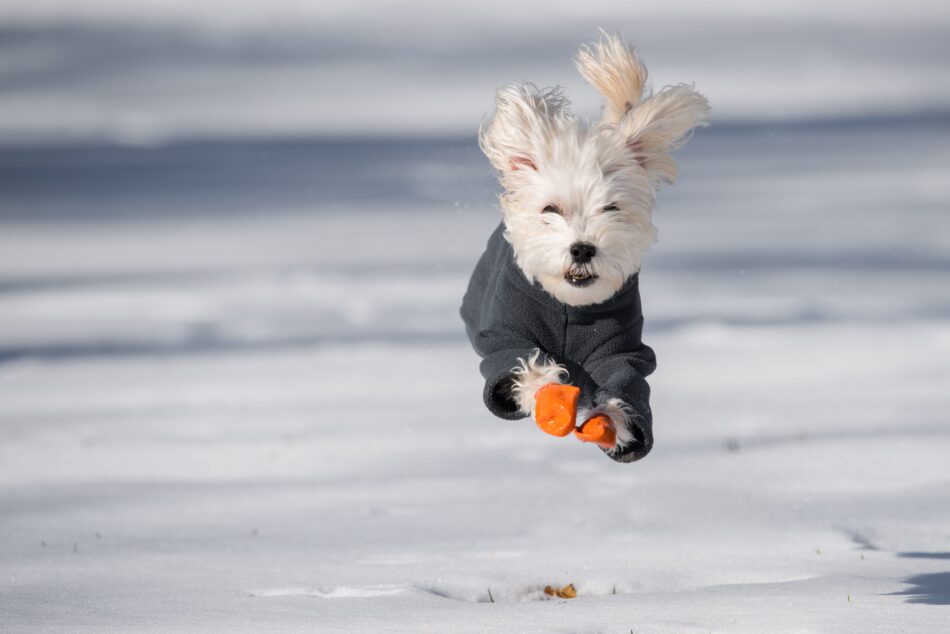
(619, 413)
(663, 123)
(616, 72)
(545, 156)
(530, 376)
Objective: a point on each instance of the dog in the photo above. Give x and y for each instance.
(553, 305)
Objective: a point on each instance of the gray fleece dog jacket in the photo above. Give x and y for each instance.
(508, 318)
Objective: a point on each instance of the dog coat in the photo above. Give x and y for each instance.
(508, 317)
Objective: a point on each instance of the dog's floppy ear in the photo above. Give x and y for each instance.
(524, 122)
(614, 69)
(653, 126)
(661, 124)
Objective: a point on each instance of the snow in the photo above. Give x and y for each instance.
(235, 392)
(142, 73)
(217, 419)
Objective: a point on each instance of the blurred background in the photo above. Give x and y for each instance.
(234, 237)
(188, 157)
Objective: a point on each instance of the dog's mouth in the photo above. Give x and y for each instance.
(580, 278)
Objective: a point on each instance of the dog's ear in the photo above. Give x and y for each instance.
(613, 68)
(661, 124)
(524, 122)
(653, 126)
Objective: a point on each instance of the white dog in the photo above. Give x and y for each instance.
(553, 306)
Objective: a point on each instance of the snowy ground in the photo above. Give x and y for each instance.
(235, 396)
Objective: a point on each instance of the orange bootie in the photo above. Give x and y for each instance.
(555, 408)
(599, 430)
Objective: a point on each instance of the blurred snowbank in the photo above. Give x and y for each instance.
(145, 73)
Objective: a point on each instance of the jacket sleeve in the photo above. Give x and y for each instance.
(502, 352)
(619, 368)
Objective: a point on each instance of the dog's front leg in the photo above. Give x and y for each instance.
(538, 387)
(620, 423)
(606, 426)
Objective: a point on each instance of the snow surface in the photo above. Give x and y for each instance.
(243, 400)
(148, 71)
(235, 393)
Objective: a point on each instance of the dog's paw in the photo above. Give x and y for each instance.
(555, 408)
(598, 429)
(532, 374)
(608, 426)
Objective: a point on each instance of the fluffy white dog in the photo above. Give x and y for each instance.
(553, 306)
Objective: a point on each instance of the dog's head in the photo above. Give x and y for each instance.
(578, 199)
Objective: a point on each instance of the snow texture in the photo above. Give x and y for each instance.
(236, 395)
(234, 421)
(140, 73)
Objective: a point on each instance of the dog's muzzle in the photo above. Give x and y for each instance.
(580, 273)
(580, 277)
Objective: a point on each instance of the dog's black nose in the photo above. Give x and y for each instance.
(583, 252)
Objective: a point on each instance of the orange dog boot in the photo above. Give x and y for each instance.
(555, 408)
(599, 430)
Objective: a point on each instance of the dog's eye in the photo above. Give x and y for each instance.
(551, 209)
(611, 207)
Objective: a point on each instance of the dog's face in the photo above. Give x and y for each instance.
(579, 217)
(578, 200)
